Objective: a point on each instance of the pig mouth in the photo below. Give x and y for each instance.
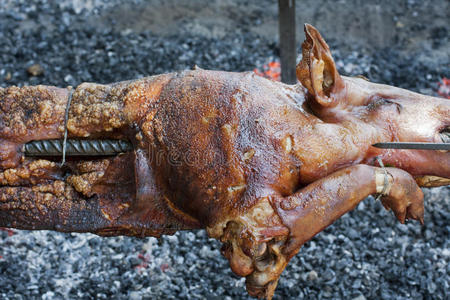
(432, 180)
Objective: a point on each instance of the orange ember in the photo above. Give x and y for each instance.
(271, 70)
(444, 88)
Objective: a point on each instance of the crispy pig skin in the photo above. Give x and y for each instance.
(263, 166)
(83, 195)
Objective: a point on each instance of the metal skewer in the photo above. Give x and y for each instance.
(114, 147)
(288, 50)
(416, 146)
(77, 147)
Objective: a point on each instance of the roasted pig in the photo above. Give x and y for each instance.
(261, 165)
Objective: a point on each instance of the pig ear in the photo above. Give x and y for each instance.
(317, 70)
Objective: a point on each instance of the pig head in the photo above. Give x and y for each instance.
(263, 166)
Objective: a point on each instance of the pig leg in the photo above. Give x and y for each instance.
(260, 243)
(29, 113)
(318, 205)
(109, 196)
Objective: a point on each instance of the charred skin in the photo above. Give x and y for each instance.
(111, 196)
(261, 165)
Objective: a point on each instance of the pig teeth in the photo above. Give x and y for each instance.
(445, 136)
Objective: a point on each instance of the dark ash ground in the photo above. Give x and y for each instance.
(364, 255)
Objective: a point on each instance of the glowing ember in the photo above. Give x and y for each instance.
(444, 88)
(164, 267)
(271, 70)
(9, 231)
(144, 261)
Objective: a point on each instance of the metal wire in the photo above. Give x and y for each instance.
(66, 118)
(76, 147)
(386, 179)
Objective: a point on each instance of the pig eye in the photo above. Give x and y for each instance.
(362, 77)
(378, 101)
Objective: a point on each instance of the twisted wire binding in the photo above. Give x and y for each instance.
(386, 180)
(66, 118)
(77, 147)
